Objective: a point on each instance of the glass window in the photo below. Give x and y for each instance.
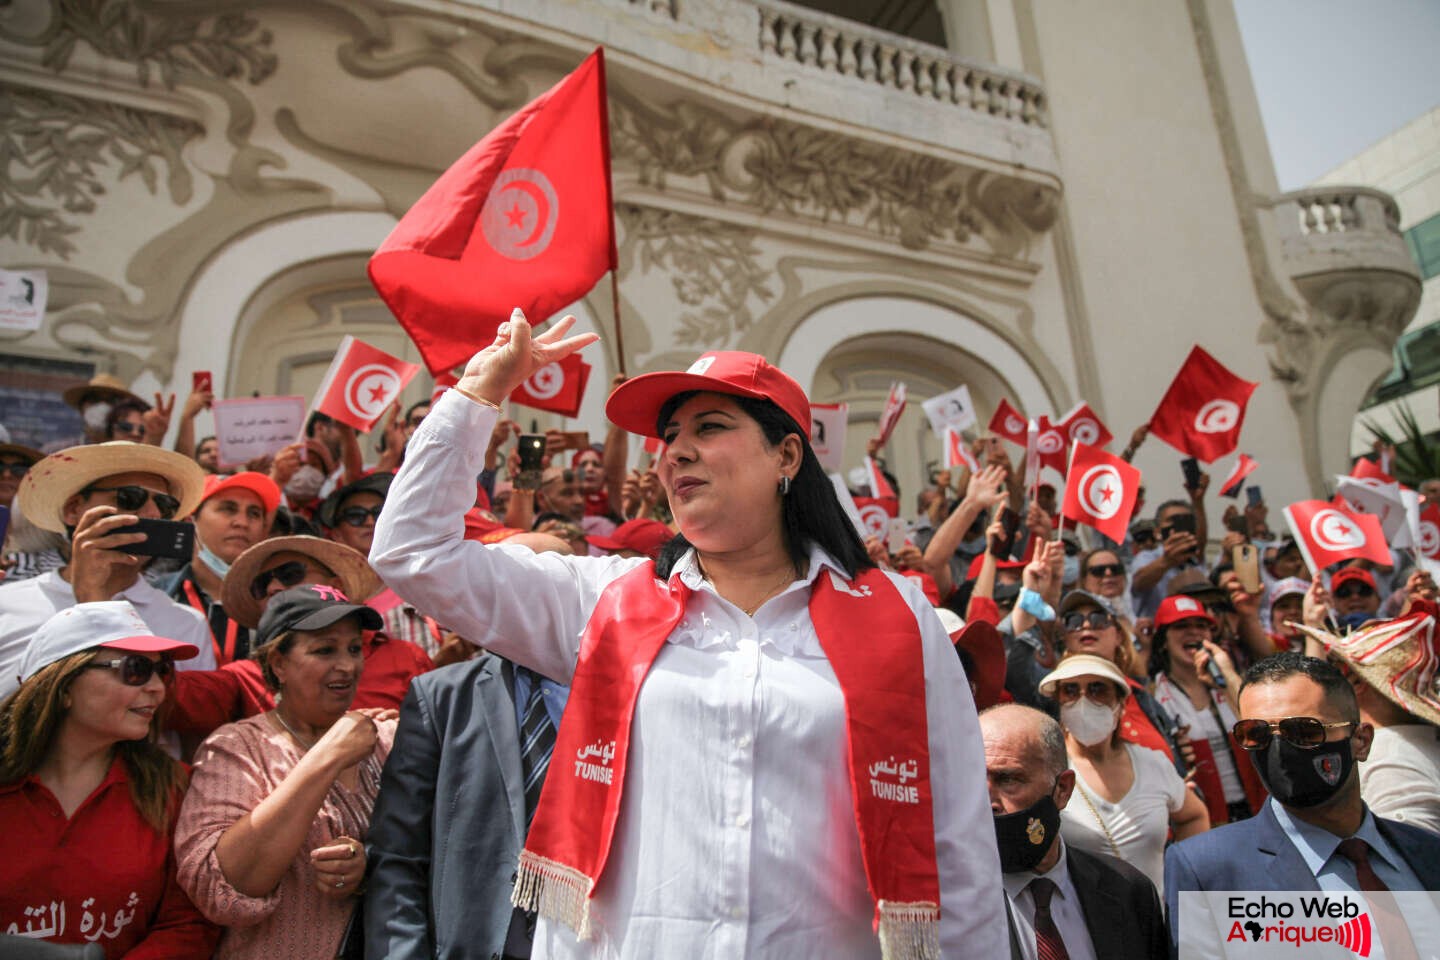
(1423, 239)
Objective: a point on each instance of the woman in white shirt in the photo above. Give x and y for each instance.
(1127, 796)
(751, 770)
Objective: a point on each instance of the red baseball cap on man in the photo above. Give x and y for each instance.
(257, 483)
(635, 404)
(1180, 607)
(1346, 574)
(643, 536)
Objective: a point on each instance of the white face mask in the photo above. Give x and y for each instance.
(96, 414)
(1087, 721)
(305, 484)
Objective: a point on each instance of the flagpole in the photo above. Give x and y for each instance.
(619, 337)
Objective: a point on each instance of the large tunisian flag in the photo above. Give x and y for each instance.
(523, 219)
(1202, 412)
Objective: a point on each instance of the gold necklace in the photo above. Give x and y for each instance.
(1084, 795)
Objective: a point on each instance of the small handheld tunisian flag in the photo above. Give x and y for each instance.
(894, 406)
(958, 452)
(1367, 469)
(827, 433)
(558, 387)
(876, 514)
(523, 219)
(361, 382)
(1202, 412)
(879, 486)
(1244, 466)
(1100, 491)
(1008, 423)
(1045, 447)
(1081, 425)
(1429, 541)
(1328, 533)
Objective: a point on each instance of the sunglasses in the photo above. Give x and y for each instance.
(125, 426)
(16, 469)
(1143, 536)
(1349, 590)
(1105, 570)
(1101, 691)
(289, 574)
(131, 498)
(1304, 732)
(1095, 620)
(135, 669)
(356, 516)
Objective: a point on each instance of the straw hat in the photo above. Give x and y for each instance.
(60, 476)
(1399, 658)
(20, 450)
(106, 386)
(357, 579)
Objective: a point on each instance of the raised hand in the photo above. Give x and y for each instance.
(514, 355)
(157, 419)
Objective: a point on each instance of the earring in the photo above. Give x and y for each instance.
(784, 486)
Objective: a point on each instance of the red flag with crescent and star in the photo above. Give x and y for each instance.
(1429, 544)
(1202, 412)
(558, 387)
(361, 382)
(1328, 532)
(1244, 466)
(1081, 425)
(1100, 491)
(523, 219)
(1009, 424)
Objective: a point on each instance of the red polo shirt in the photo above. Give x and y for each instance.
(104, 875)
(201, 701)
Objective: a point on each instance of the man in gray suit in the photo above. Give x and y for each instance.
(455, 798)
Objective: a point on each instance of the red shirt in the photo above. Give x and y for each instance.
(104, 875)
(597, 503)
(201, 701)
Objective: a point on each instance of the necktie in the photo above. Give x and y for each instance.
(537, 742)
(1048, 945)
(1391, 925)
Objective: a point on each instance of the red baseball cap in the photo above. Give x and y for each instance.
(635, 404)
(642, 536)
(974, 570)
(1346, 574)
(257, 483)
(1180, 607)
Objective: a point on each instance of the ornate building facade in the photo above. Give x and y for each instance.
(1052, 206)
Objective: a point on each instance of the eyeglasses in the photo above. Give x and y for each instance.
(136, 669)
(125, 426)
(131, 497)
(356, 516)
(1105, 570)
(1095, 619)
(16, 469)
(1306, 732)
(1348, 590)
(289, 574)
(1101, 691)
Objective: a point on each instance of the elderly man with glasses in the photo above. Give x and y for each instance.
(88, 493)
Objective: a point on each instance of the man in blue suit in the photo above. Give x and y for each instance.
(1302, 729)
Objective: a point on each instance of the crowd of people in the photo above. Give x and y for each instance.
(444, 704)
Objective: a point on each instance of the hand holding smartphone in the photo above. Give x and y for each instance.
(163, 538)
(531, 448)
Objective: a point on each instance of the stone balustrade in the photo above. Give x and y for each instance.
(809, 38)
(1325, 229)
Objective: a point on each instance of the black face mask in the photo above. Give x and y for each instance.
(1025, 836)
(1298, 777)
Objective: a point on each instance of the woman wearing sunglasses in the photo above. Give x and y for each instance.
(87, 797)
(1187, 689)
(270, 840)
(1129, 796)
(1102, 574)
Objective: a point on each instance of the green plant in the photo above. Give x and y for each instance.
(1417, 454)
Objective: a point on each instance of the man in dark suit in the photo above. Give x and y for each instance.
(450, 820)
(1062, 902)
(1302, 728)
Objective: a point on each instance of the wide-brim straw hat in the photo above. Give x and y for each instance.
(1397, 657)
(358, 580)
(106, 385)
(58, 477)
(20, 450)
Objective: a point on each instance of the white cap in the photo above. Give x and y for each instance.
(950, 620)
(1288, 586)
(107, 623)
(1083, 665)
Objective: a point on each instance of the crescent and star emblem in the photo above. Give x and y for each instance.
(370, 389)
(520, 212)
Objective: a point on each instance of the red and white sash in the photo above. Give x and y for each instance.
(872, 642)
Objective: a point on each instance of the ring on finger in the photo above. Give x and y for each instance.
(339, 884)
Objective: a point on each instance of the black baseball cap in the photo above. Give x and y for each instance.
(378, 483)
(313, 606)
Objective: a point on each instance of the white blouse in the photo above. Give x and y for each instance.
(736, 836)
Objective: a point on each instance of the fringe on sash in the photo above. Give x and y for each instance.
(909, 931)
(555, 891)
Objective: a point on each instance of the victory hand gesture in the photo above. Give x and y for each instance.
(508, 362)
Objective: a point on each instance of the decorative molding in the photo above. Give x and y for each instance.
(56, 148)
(810, 174)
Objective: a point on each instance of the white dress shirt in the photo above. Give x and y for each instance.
(736, 835)
(1400, 780)
(1065, 910)
(24, 606)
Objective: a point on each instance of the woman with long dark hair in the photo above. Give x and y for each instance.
(770, 748)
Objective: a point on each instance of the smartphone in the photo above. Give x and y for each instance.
(202, 380)
(1253, 496)
(532, 461)
(1191, 468)
(574, 439)
(896, 534)
(1238, 524)
(163, 538)
(1010, 521)
(1182, 523)
(1246, 560)
(4, 522)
